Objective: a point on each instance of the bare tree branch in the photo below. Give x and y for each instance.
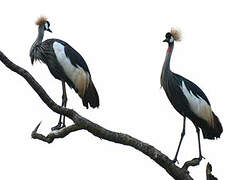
(54, 134)
(209, 172)
(193, 162)
(95, 129)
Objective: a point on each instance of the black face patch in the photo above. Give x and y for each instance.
(48, 23)
(168, 35)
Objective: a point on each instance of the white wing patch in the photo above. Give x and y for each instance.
(77, 75)
(198, 105)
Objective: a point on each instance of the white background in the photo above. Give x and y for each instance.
(121, 42)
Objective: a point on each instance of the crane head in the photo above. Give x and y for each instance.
(42, 21)
(47, 26)
(173, 35)
(169, 38)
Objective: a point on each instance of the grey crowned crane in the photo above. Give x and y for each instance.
(66, 65)
(188, 99)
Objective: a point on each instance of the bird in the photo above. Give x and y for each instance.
(188, 99)
(66, 65)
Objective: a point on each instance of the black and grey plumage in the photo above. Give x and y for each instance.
(66, 65)
(188, 99)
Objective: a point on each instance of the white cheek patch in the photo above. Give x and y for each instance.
(171, 39)
(198, 105)
(46, 26)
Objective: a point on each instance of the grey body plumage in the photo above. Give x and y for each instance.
(189, 100)
(66, 65)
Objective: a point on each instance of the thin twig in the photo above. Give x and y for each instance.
(54, 134)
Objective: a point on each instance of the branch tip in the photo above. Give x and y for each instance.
(35, 130)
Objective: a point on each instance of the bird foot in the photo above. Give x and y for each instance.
(175, 161)
(201, 157)
(58, 126)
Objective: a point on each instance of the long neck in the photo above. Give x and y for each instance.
(166, 66)
(39, 38)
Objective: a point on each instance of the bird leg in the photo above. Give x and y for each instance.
(181, 139)
(199, 144)
(64, 101)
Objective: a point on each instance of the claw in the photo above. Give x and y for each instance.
(201, 157)
(57, 127)
(175, 161)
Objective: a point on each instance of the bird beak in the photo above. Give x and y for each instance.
(49, 30)
(165, 40)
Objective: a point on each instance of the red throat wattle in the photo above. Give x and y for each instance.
(169, 48)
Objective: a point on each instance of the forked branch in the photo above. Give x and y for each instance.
(83, 123)
(54, 134)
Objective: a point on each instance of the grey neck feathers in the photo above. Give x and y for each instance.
(39, 38)
(166, 66)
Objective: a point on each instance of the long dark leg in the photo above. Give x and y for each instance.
(64, 101)
(181, 139)
(199, 144)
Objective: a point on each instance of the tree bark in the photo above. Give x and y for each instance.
(81, 123)
(209, 172)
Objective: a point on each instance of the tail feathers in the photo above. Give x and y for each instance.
(214, 131)
(91, 96)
